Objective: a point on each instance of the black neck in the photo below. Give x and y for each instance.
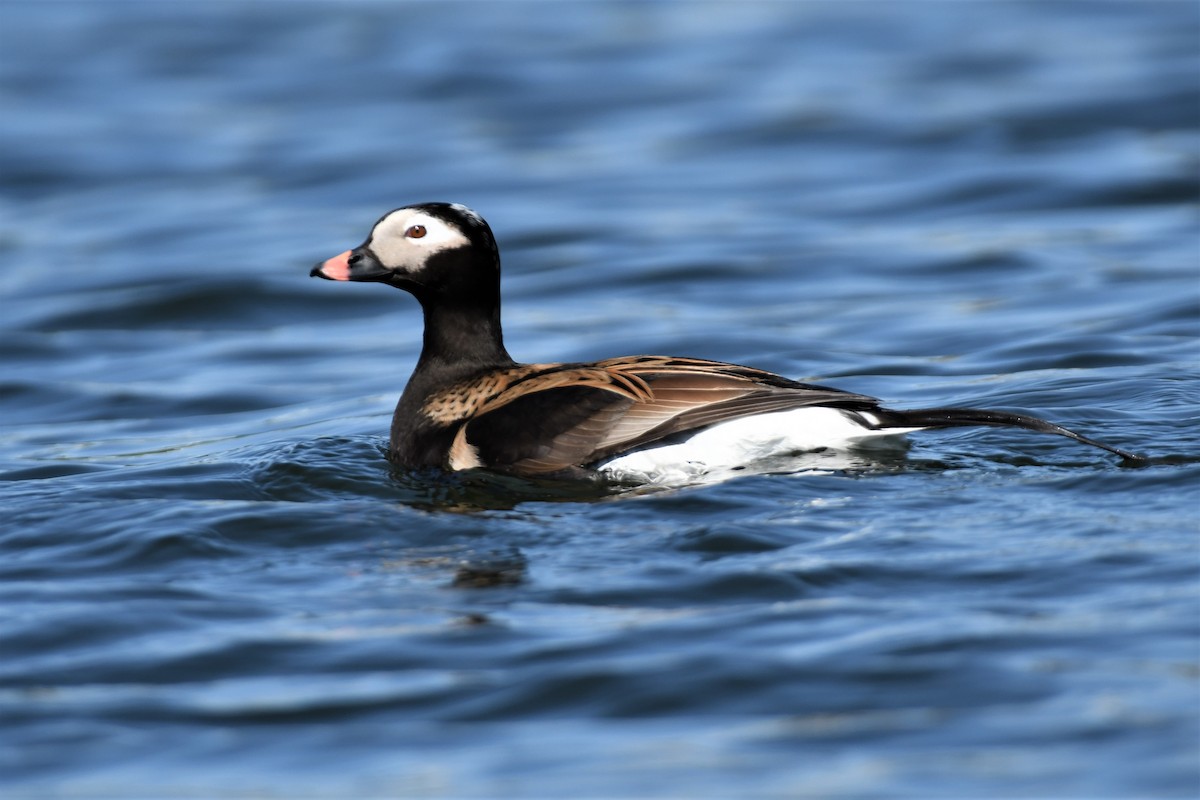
(461, 338)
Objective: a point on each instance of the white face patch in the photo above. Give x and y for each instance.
(406, 238)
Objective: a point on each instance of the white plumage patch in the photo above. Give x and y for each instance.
(740, 442)
(468, 213)
(396, 247)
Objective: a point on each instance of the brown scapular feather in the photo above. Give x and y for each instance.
(616, 405)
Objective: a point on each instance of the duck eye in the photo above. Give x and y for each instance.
(415, 232)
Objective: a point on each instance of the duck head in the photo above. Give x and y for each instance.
(431, 250)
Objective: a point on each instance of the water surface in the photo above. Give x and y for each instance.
(214, 585)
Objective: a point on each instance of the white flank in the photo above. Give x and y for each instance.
(739, 443)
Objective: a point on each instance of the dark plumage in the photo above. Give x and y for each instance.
(469, 405)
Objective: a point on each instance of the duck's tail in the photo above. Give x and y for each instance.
(968, 417)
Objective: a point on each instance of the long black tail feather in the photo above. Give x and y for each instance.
(967, 417)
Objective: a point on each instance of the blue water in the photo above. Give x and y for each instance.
(211, 584)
